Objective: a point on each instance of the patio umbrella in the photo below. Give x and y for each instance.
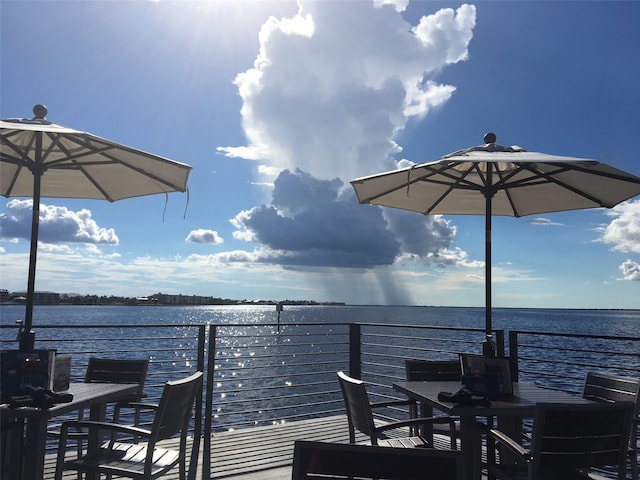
(41, 159)
(491, 179)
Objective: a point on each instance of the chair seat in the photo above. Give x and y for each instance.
(126, 458)
(403, 442)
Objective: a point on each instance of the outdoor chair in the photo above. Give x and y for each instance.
(360, 417)
(122, 457)
(567, 441)
(609, 388)
(108, 370)
(11, 447)
(428, 371)
(329, 461)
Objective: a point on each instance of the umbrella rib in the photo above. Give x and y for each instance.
(104, 151)
(458, 182)
(14, 179)
(22, 158)
(70, 160)
(503, 179)
(576, 167)
(146, 173)
(21, 161)
(562, 168)
(56, 141)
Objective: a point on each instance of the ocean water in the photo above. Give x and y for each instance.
(243, 359)
(592, 322)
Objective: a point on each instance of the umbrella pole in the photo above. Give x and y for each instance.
(28, 336)
(487, 267)
(488, 345)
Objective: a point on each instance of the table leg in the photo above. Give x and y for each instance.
(426, 430)
(34, 448)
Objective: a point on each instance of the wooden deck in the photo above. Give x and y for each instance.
(260, 452)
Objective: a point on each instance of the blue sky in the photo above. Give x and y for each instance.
(278, 104)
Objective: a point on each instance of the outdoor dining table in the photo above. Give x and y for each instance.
(509, 412)
(94, 396)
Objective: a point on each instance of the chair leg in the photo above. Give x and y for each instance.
(491, 451)
(11, 448)
(633, 460)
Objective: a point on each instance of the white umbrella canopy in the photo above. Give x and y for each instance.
(41, 159)
(491, 179)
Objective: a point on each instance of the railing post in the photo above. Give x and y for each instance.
(513, 354)
(355, 350)
(197, 433)
(208, 409)
(499, 342)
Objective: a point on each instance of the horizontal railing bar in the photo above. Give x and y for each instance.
(575, 335)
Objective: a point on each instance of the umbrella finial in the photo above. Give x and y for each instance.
(40, 112)
(490, 138)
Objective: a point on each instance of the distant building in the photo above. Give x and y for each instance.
(39, 298)
(5, 297)
(179, 299)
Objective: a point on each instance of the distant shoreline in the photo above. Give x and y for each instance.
(314, 304)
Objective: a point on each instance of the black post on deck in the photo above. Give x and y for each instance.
(208, 406)
(513, 355)
(355, 350)
(197, 428)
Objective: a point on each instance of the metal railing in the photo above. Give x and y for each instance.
(562, 360)
(263, 374)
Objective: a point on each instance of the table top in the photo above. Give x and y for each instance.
(84, 395)
(521, 403)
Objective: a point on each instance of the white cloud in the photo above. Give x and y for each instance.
(400, 5)
(202, 235)
(544, 222)
(57, 224)
(624, 231)
(630, 270)
(328, 92)
(332, 86)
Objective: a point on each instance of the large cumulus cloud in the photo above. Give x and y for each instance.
(329, 91)
(332, 86)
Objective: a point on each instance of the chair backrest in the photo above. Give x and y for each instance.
(431, 370)
(579, 436)
(312, 460)
(175, 407)
(602, 387)
(108, 370)
(357, 406)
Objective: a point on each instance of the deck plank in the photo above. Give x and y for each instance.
(260, 452)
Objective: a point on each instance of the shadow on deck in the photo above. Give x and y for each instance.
(260, 452)
(263, 453)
